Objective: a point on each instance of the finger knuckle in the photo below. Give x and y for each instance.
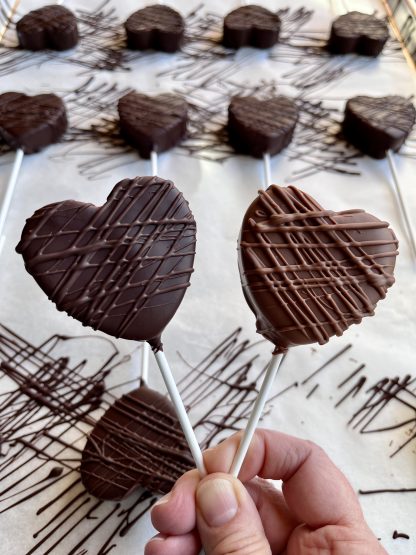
(242, 544)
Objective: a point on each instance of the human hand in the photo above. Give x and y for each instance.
(317, 511)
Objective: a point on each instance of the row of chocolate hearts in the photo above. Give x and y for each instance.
(157, 123)
(162, 28)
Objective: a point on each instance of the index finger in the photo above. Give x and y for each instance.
(315, 490)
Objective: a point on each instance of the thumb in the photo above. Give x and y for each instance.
(227, 518)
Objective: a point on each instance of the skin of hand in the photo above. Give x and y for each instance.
(316, 513)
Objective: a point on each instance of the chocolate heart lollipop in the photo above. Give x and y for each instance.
(122, 268)
(251, 26)
(375, 125)
(158, 27)
(31, 122)
(152, 123)
(309, 273)
(138, 442)
(53, 27)
(259, 126)
(358, 32)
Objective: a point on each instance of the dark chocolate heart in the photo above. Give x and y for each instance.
(259, 126)
(158, 27)
(122, 268)
(138, 442)
(31, 122)
(358, 32)
(309, 273)
(152, 122)
(53, 27)
(375, 125)
(251, 26)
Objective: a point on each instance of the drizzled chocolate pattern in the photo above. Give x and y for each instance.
(309, 273)
(31, 122)
(251, 26)
(152, 122)
(53, 27)
(158, 27)
(122, 268)
(375, 125)
(358, 32)
(138, 442)
(258, 126)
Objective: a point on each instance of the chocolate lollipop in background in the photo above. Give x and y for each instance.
(152, 124)
(307, 274)
(261, 128)
(378, 126)
(358, 32)
(51, 27)
(27, 124)
(251, 25)
(138, 442)
(156, 27)
(121, 268)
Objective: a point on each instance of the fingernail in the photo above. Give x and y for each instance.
(165, 499)
(217, 502)
(158, 538)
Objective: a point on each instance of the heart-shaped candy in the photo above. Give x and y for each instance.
(358, 32)
(152, 122)
(158, 27)
(251, 26)
(138, 442)
(53, 27)
(375, 125)
(259, 126)
(309, 273)
(122, 268)
(31, 122)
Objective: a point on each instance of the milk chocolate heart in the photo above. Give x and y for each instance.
(251, 26)
(152, 122)
(138, 442)
(259, 126)
(53, 27)
(158, 27)
(122, 268)
(375, 125)
(358, 32)
(309, 273)
(31, 122)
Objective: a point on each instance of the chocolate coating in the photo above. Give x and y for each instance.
(251, 26)
(152, 122)
(358, 32)
(259, 126)
(53, 27)
(31, 122)
(138, 442)
(122, 268)
(375, 125)
(158, 27)
(309, 273)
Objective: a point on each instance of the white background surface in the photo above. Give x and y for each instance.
(214, 306)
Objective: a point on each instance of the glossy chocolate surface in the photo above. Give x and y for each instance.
(309, 273)
(251, 26)
(358, 32)
(122, 268)
(157, 27)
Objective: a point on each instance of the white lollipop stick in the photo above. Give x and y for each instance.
(180, 411)
(405, 214)
(10, 187)
(267, 170)
(146, 346)
(256, 414)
